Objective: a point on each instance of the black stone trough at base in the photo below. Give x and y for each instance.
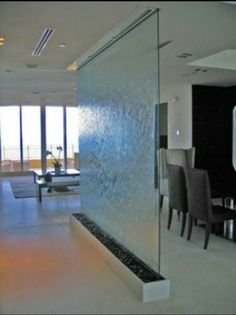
(146, 282)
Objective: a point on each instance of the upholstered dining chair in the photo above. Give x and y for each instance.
(177, 194)
(200, 205)
(181, 157)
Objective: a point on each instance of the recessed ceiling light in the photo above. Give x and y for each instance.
(62, 45)
(2, 41)
(75, 88)
(72, 67)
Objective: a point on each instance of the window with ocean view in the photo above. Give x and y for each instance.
(54, 132)
(72, 134)
(21, 132)
(10, 138)
(31, 132)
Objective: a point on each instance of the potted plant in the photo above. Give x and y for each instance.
(56, 163)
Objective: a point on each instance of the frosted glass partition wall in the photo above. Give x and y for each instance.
(117, 92)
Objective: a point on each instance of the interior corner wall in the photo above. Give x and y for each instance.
(179, 99)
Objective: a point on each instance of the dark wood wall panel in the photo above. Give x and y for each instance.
(212, 132)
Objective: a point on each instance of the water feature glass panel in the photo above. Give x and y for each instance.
(117, 92)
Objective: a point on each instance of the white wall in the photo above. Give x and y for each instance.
(179, 98)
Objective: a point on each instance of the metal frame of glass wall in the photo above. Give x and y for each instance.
(43, 140)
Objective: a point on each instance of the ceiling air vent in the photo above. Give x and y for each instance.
(47, 33)
(31, 66)
(184, 55)
(198, 70)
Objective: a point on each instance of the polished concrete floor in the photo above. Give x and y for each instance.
(45, 268)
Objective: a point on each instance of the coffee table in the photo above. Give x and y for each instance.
(38, 174)
(39, 179)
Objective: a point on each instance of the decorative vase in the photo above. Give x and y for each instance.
(57, 169)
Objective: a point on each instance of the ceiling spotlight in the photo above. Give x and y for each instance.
(74, 88)
(2, 41)
(72, 67)
(62, 45)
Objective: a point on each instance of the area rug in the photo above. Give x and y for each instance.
(25, 188)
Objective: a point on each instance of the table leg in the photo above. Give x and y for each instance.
(40, 193)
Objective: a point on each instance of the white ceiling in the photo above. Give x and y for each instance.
(200, 28)
(222, 60)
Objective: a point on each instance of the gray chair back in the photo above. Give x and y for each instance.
(177, 188)
(199, 194)
(181, 157)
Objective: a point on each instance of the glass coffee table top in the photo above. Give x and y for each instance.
(69, 172)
